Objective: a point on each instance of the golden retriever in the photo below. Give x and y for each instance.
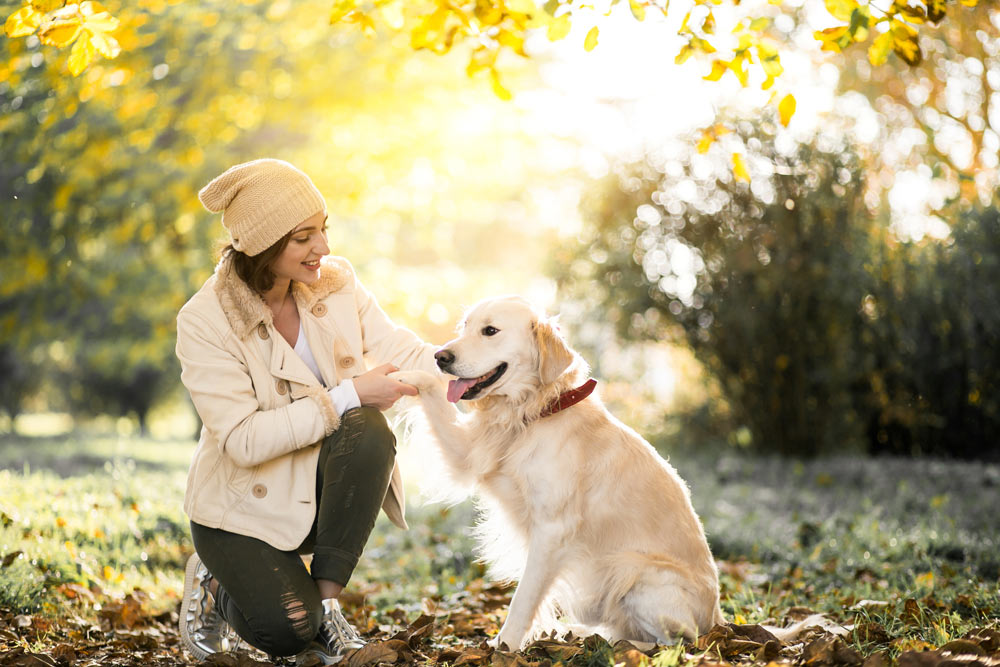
(581, 511)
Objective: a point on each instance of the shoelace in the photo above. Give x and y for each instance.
(339, 630)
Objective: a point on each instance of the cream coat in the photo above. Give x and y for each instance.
(264, 413)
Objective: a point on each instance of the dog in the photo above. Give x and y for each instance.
(579, 509)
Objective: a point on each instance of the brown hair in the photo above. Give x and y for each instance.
(255, 270)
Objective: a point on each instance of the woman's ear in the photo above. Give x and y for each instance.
(554, 356)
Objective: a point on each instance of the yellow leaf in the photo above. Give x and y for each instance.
(831, 38)
(740, 168)
(904, 42)
(936, 10)
(683, 54)
(341, 8)
(512, 41)
(60, 33)
(80, 56)
(841, 9)
(591, 40)
(96, 18)
(108, 572)
(559, 27)
(498, 88)
(718, 69)
(879, 51)
(61, 522)
(46, 6)
(786, 109)
(738, 66)
(23, 22)
(106, 45)
(392, 14)
(708, 25)
(706, 141)
(638, 9)
(925, 580)
(70, 549)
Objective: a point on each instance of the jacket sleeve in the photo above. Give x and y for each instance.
(223, 394)
(387, 343)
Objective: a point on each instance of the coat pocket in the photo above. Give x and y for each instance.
(240, 480)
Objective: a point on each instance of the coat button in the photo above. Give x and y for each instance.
(262, 331)
(347, 362)
(281, 386)
(259, 490)
(319, 310)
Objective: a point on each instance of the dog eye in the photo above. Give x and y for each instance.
(489, 331)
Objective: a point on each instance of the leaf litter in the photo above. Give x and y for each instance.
(455, 631)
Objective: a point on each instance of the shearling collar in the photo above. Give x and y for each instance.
(245, 309)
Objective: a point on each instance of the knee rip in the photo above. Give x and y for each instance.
(298, 616)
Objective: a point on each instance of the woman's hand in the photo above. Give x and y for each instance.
(379, 391)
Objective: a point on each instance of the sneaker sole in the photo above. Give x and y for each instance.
(189, 572)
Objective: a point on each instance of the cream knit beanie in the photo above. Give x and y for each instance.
(261, 201)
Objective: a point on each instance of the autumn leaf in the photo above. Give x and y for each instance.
(60, 33)
(880, 49)
(498, 88)
(719, 68)
(740, 168)
(638, 9)
(786, 109)
(833, 39)
(591, 40)
(904, 42)
(841, 9)
(46, 6)
(81, 55)
(23, 22)
(341, 8)
(558, 28)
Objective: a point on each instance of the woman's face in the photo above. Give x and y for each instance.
(307, 245)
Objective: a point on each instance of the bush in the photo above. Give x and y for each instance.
(823, 331)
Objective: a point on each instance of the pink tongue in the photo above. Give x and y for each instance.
(458, 387)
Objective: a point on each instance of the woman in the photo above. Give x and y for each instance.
(295, 456)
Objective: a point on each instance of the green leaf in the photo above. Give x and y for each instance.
(591, 39)
(860, 21)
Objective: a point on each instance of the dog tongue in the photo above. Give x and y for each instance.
(458, 387)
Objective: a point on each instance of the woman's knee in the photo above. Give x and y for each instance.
(290, 629)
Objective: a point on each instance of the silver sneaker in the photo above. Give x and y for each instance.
(336, 639)
(203, 630)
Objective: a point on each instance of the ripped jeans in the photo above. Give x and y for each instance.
(267, 595)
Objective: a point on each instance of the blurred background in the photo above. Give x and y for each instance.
(837, 292)
(803, 316)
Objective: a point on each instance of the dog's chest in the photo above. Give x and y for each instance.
(531, 482)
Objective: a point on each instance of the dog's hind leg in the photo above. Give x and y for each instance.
(664, 605)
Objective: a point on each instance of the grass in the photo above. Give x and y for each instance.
(906, 550)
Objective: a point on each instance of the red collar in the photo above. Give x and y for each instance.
(569, 398)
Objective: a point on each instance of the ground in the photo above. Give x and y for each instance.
(901, 557)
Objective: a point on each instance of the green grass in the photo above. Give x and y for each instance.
(916, 543)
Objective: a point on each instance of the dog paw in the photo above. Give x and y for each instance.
(505, 641)
(422, 380)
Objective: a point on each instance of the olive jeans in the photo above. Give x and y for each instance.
(267, 595)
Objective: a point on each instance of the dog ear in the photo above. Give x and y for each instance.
(554, 356)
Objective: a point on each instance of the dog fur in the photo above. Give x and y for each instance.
(580, 510)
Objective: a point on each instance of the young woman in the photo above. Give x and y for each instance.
(295, 456)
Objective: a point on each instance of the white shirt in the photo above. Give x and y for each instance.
(344, 396)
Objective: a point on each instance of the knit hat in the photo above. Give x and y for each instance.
(261, 201)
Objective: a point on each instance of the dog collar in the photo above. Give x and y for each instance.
(569, 398)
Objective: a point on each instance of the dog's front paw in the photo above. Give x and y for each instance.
(422, 380)
(506, 640)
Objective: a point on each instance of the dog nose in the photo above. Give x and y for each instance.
(444, 358)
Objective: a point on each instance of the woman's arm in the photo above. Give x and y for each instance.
(223, 394)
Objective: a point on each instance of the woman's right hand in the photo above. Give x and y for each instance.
(379, 391)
